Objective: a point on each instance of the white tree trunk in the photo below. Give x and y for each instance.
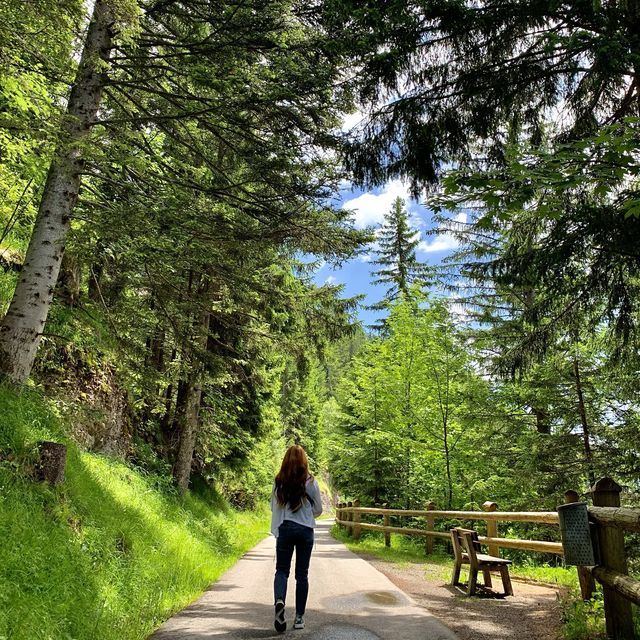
(22, 327)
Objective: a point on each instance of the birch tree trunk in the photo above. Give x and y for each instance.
(22, 327)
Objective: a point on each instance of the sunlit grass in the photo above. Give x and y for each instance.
(403, 551)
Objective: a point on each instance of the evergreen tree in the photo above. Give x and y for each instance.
(396, 256)
(241, 96)
(546, 295)
(410, 411)
(552, 239)
(453, 81)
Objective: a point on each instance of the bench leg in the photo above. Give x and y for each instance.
(455, 579)
(506, 580)
(473, 579)
(487, 577)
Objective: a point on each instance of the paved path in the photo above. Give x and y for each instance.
(348, 600)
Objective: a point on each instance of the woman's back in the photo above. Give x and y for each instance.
(309, 508)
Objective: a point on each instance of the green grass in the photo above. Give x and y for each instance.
(109, 554)
(583, 620)
(405, 550)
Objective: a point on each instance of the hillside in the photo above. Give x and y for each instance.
(113, 550)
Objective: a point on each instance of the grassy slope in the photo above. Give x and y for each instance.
(111, 553)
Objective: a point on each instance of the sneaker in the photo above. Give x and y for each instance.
(299, 623)
(279, 622)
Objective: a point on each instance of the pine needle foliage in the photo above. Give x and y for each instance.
(452, 81)
(395, 255)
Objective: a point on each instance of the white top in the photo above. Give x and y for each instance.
(305, 515)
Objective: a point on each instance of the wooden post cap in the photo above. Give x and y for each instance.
(430, 506)
(356, 503)
(571, 496)
(608, 485)
(489, 506)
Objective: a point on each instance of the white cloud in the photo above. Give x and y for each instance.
(351, 121)
(441, 243)
(369, 208)
(444, 241)
(417, 222)
(461, 217)
(459, 311)
(365, 257)
(330, 280)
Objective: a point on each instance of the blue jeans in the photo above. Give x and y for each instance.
(292, 535)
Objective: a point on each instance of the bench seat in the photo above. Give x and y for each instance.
(467, 550)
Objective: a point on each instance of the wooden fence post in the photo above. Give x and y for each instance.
(492, 527)
(428, 545)
(350, 519)
(617, 609)
(587, 583)
(356, 519)
(339, 514)
(387, 523)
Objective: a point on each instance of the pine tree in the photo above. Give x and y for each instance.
(440, 81)
(233, 102)
(396, 256)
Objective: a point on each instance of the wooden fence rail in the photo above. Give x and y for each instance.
(619, 590)
(348, 514)
(608, 518)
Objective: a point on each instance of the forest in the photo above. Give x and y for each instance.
(172, 175)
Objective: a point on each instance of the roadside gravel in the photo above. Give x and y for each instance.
(533, 613)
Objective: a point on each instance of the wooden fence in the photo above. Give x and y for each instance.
(610, 522)
(349, 515)
(608, 518)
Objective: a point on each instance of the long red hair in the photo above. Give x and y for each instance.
(292, 479)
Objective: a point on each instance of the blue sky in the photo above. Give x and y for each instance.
(369, 209)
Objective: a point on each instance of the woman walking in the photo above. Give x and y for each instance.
(295, 503)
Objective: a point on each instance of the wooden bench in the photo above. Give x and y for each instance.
(466, 548)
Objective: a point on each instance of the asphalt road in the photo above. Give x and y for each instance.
(348, 600)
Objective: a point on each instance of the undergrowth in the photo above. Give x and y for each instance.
(110, 553)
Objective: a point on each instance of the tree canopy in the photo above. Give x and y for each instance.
(455, 82)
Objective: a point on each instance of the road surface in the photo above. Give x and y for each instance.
(348, 600)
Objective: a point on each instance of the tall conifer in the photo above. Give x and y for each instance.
(396, 257)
